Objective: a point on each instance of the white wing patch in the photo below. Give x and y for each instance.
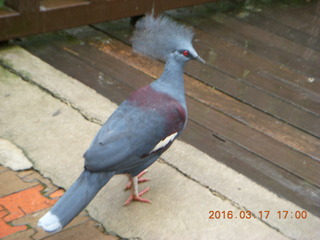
(164, 142)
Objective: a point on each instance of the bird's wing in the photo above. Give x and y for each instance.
(128, 135)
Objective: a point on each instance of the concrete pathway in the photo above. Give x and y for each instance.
(52, 118)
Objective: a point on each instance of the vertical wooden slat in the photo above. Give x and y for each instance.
(23, 6)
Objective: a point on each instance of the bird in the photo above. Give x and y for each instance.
(141, 128)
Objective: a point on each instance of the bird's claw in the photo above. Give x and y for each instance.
(134, 197)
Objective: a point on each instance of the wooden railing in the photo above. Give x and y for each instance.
(25, 17)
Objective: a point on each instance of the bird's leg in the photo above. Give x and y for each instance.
(135, 194)
(140, 180)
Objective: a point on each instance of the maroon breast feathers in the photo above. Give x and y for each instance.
(165, 105)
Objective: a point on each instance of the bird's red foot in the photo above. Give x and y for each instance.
(137, 197)
(140, 180)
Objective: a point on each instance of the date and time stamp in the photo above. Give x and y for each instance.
(263, 214)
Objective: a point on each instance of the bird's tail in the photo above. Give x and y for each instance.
(78, 196)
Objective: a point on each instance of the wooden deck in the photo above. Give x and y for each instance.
(254, 106)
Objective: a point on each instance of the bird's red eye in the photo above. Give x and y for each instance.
(185, 53)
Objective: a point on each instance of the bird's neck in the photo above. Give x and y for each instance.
(172, 70)
(171, 81)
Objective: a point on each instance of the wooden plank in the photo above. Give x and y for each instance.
(306, 22)
(269, 82)
(284, 31)
(239, 158)
(239, 88)
(312, 8)
(252, 38)
(243, 89)
(256, 142)
(278, 108)
(289, 92)
(80, 13)
(261, 43)
(23, 7)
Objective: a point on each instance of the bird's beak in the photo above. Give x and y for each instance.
(199, 59)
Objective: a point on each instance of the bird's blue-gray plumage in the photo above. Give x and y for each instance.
(135, 135)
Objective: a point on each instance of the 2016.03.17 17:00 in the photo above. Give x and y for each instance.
(261, 214)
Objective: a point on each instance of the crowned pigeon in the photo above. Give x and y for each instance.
(141, 128)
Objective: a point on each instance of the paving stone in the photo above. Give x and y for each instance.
(35, 177)
(84, 231)
(5, 228)
(18, 199)
(24, 202)
(11, 182)
(57, 194)
(23, 235)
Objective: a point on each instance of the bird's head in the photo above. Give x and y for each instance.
(163, 39)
